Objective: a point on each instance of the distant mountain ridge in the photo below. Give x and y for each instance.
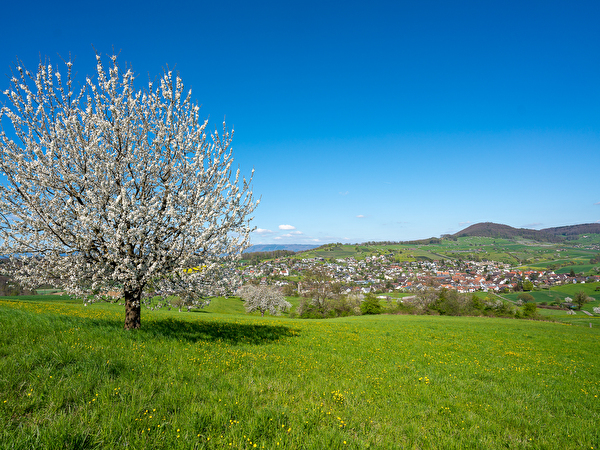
(273, 247)
(572, 230)
(483, 229)
(556, 234)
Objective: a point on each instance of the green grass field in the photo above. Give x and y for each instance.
(562, 292)
(527, 254)
(71, 377)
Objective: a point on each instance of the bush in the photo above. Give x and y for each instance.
(529, 309)
(307, 309)
(399, 307)
(477, 303)
(370, 305)
(526, 298)
(448, 303)
(345, 306)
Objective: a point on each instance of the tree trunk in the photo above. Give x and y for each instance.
(133, 308)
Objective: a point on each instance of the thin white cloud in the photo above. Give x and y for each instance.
(465, 223)
(597, 203)
(344, 193)
(287, 227)
(278, 237)
(262, 231)
(297, 233)
(534, 225)
(361, 216)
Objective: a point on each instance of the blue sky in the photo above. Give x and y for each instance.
(368, 120)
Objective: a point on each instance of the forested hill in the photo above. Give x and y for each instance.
(275, 247)
(574, 230)
(557, 234)
(495, 230)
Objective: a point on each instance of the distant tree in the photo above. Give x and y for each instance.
(526, 297)
(527, 285)
(449, 302)
(572, 273)
(476, 302)
(290, 289)
(370, 305)
(529, 309)
(317, 284)
(263, 298)
(534, 276)
(12, 288)
(581, 298)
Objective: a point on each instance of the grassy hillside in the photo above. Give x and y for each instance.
(526, 254)
(72, 378)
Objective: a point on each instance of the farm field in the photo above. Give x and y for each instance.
(526, 254)
(562, 292)
(72, 378)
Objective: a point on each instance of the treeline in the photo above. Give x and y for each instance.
(573, 231)
(373, 243)
(429, 302)
(10, 288)
(431, 240)
(261, 256)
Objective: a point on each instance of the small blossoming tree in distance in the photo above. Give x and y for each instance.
(263, 299)
(112, 188)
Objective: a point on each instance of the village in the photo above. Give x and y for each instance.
(382, 274)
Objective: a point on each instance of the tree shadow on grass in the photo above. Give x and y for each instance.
(228, 332)
(173, 329)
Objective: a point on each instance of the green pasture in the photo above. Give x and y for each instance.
(571, 289)
(359, 252)
(561, 292)
(590, 239)
(587, 269)
(578, 319)
(527, 254)
(73, 378)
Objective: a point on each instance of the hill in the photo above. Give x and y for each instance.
(273, 247)
(495, 230)
(574, 230)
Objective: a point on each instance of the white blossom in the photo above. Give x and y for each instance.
(263, 298)
(116, 189)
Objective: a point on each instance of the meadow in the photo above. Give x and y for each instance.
(562, 292)
(524, 254)
(71, 377)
